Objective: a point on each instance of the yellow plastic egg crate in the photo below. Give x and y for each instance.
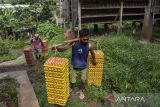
(56, 86)
(50, 68)
(98, 79)
(56, 64)
(95, 74)
(99, 63)
(95, 69)
(57, 101)
(57, 91)
(57, 96)
(56, 75)
(90, 82)
(94, 77)
(56, 69)
(56, 81)
(98, 54)
(96, 83)
(56, 61)
(60, 87)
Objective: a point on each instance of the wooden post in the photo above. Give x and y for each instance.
(79, 15)
(96, 28)
(120, 19)
(153, 19)
(106, 27)
(69, 18)
(133, 27)
(71, 26)
(60, 10)
(146, 33)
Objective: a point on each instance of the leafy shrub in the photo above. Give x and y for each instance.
(6, 45)
(4, 49)
(49, 30)
(94, 92)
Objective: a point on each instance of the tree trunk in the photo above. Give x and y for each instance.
(146, 33)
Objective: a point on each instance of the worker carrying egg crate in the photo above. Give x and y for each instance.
(79, 61)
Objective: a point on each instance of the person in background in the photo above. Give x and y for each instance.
(37, 43)
(79, 61)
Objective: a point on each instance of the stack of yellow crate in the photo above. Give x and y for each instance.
(95, 72)
(57, 80)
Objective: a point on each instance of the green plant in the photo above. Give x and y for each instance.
(11, 49)
(94, 92)
(16, 23)
(48, 30)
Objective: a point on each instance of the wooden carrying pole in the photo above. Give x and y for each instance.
(72, 40)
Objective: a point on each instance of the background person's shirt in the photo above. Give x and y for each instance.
(36, 43)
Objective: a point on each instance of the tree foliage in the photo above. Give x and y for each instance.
(15, 22)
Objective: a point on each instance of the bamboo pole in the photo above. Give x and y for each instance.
(72, 40)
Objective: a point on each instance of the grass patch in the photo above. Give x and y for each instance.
(11, 49)
(129, 65)
(8, 93)
(156, 32)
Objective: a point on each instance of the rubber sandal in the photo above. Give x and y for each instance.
(81, 95)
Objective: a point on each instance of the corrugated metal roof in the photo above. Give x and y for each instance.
(3, 6)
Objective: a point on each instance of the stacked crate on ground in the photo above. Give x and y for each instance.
(95, 71)
(28, 56)
(57, 80)
(44, 48)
